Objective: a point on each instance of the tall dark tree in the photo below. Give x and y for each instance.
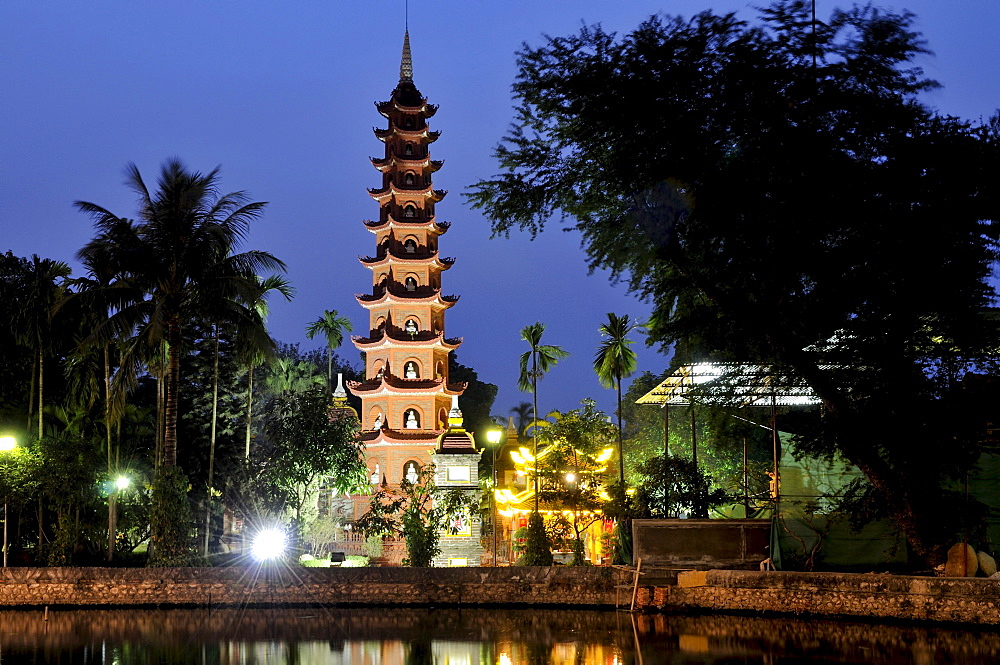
(43, 289)
(524, 415)
(534, 364)
(332, 327)
(783, 197)
(614, 361)
(254, 349)
(476, 401)
(305, 442)
(178, 251)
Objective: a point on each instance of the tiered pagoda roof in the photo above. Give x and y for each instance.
(398, 338)
(391, 222)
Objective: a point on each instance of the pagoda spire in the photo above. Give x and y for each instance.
(406, 62)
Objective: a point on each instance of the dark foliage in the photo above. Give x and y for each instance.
(783, 198)
(537, 548)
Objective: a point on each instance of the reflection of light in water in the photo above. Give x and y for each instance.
(455, 653)
(693, 643)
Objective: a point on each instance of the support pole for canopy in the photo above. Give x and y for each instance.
(666, 429)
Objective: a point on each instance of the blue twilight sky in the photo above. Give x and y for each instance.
(280, 95)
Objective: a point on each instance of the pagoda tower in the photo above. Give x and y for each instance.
(406, 398)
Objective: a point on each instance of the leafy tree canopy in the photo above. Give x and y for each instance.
(304, 442)
(783, 197)
(476, 401)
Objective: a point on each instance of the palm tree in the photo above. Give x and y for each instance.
(255, 350)
(332, 327)
(534, 364)
(525, 415)
(43, 291)
(247, 306)
(614, 361)
(102, 271)
(180, 249)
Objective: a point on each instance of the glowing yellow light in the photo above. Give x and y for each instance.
(514, 455)
(7, 443)
(526, 454)
(605, 455)
(570, 477)
(520, 472)
(504, 659)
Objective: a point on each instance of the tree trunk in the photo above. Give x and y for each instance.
(107, 402)
(173, 383)
(249, 409)
(211, 445)
(41, 385)
(534, 429)
(621, 450)
(31, 394)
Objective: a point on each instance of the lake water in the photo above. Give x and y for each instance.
(390, 636)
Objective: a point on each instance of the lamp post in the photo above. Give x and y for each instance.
(121, 483)
(493, 436)
(7, 445)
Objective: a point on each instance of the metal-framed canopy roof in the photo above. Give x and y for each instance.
(734, 384)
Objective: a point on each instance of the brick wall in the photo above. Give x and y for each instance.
(836, 594)
(582, 587)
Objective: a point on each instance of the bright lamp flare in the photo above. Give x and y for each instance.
(7, 443)
(268, 544)
(122, 483)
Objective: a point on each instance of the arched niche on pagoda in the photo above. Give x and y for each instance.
(412, 417)
(439, 370)
(442, 418)
(410, 245)
(411, 283)
(378, 366)
(412, 325)
(375, 470)
(411, 470)
(411, 368)
(375, 417)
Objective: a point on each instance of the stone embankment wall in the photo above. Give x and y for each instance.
(579, 587)
(832, 594)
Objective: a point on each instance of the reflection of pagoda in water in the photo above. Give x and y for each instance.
(409, 409)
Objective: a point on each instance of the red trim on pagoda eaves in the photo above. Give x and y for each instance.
(441, 263)
(383, 134)
(440, 228)
(427, 192)
(418, 339)
(394, 385)
(421, 294)
(386, 435)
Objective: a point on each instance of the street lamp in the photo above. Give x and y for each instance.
(121, 483)
(494, 436)
(7, 445)
(268, 544)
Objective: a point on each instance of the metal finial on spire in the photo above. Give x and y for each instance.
(406, 64)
